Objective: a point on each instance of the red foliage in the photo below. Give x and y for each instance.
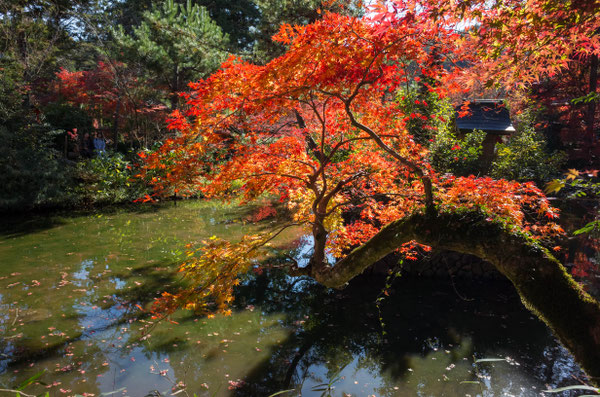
(316, 127)
(95, 89)
(108, 93)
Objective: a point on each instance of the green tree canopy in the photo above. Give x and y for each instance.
(237, 18)
(33, 36)
(176, 44)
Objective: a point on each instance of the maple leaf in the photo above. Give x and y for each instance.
(571, 174)
(315, 129)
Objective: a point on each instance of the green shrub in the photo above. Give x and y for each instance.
(35, 175)
(107, 179)
(525, 157)
(460, 157)
(447, 153)
(416, 102)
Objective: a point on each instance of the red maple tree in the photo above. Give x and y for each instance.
(319, 129)
(111, 95)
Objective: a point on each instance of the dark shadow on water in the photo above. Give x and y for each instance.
(158, 278)
(19, 224)
(333, 328)
(330, 328)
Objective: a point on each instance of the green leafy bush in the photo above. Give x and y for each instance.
(426, 114)
(525, 157)
(107, 179)
(460, 157)
(436, 130)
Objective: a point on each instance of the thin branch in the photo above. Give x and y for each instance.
(294, 160)
(362, 138)
(427, 185)
(356, 200)
(276, 234)
(341, 184)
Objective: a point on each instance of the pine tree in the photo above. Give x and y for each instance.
(237, 18)
(174, 44)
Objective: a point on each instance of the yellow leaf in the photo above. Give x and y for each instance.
(571, 174)
(554, 186)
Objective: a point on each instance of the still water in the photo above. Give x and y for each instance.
(74, 290)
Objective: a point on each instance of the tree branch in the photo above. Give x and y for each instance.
(543, 283)
(427, 185)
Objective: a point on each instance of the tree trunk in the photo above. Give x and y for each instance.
(542, 282)
(116, 124)
(593, 86)
(175, 88)
(320, 236)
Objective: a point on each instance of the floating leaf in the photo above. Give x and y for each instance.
(574, 387)
(489, 360)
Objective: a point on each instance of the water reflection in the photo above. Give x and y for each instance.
(431, 338)
(70, 296)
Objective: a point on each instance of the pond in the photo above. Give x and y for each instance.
(74, 291)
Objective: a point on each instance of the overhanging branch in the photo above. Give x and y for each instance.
(542, 282)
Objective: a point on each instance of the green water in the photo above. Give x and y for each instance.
(71, 288)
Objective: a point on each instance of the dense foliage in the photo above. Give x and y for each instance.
(314, 128)
(174, 44)
(33, 172)
(321, 129)
(346, 117)
(108, 179)
(74, 70)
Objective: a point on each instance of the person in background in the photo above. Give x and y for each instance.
(99, 144)
(88, 146)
